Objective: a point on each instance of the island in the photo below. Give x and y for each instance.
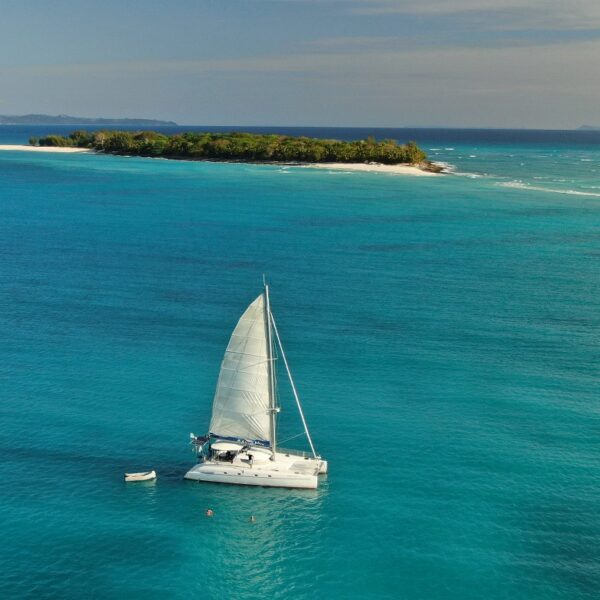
(34, 119)
(245, 147)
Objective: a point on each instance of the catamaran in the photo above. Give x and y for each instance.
(241, 445)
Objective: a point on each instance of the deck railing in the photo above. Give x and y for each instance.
(295, 452)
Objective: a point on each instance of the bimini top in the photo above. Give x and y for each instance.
(226, 446)
(242, 400)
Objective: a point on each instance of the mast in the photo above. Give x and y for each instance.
(272, 407)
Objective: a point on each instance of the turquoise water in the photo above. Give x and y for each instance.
(444, 334)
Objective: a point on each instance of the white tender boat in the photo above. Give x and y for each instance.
(241, 446)
(146, 476)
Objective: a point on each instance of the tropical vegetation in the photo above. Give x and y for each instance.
(240, 146)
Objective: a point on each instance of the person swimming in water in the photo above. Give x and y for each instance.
(252, 519)
(209, 512)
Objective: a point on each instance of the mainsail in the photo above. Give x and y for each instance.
(242, 406)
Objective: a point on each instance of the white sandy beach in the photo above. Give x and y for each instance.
(360, 167)
(374, 168)
(24, 147)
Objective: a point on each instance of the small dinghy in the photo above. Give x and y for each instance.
(140, 476)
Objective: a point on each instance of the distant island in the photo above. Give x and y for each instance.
(68, 120)
(243, 147)
(589, 128)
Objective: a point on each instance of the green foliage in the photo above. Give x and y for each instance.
(55, 140)
(241, 146)
(81, 139)
(33, 141)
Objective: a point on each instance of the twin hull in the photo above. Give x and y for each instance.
(280, 473)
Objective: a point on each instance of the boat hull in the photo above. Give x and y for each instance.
(217, 473)
(146, 476)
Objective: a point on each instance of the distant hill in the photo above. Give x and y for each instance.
(68, 120)
(589, 128)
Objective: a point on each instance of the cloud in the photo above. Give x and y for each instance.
(366, 42)
(273, 64)
(365, 80)
(572, 14)
(549, 68)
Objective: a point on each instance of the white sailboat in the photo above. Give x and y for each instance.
(241, 446)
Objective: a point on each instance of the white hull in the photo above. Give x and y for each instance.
(146, 476)
(287, 471)
(220, 474)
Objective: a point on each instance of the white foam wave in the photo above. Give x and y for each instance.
(519, 185)
(447, 167)
(450, 168)
(469, 175)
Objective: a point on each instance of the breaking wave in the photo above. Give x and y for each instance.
(535, 188)
(469, 175)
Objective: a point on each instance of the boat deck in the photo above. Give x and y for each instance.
(287, 470)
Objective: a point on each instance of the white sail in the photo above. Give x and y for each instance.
(241, 406)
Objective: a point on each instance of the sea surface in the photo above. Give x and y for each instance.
(444, 333)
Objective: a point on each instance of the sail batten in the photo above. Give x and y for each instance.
(241, 406)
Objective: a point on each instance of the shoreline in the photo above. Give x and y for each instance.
(59, 149)
(375, 168)
(426, 169)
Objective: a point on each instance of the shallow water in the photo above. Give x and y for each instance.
(444, 334)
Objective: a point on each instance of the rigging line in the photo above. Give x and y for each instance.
(289, 373)
(292, 438)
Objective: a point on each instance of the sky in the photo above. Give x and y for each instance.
(388, 63)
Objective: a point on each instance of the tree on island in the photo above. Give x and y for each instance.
(242, 146)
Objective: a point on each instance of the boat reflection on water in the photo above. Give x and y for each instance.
(252, 558)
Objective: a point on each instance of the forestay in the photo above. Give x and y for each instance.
(241, 404)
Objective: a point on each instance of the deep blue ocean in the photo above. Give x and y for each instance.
(444, 333)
